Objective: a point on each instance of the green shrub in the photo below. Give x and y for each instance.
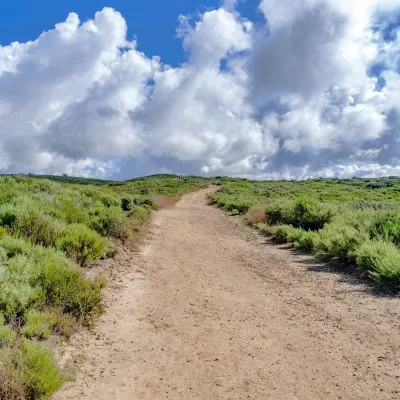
(306, 214)
(40, 371)
(388, 230)
(82, 244)
(260, 226)
(334, 216)
(7, 336)
(281, 232)
(72, 213)
(28, 371)
(8, 215)
(288, 234)
(38, 228)
(381, 260)
(3, 256)
(140, 213)
(312, 215)
(64, 324)
(111, 222)
(142, 201)
(16, 292)
(28, 221)
(110, 200)
(238, 205)
(120, 228)
(340, 240)
(127, 203)
(38, 324)
(294, 235)
(281, 212)
(13, 246)
(3, 232)
(65, 286)
(46, 277)
(308, 241)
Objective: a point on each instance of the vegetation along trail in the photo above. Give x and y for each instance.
(210, 310)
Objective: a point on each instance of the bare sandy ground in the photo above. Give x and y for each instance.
(208, 310)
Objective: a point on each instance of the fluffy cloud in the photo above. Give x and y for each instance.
(313, 92)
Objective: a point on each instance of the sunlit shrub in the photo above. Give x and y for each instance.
(82, 244)
(381, 260)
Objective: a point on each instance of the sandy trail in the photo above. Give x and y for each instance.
(209, 310)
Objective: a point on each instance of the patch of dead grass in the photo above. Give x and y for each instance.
(11, 388)
(163, 202)
(209, 201)
(256, 215)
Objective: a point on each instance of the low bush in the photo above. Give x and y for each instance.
(308, 242)
(381, 260)
(36, 276)
(12, 246)
(65, 324)
(109, 200)
(82, 244)
(340, 240)
(281, 212)
(294, 235)
(71, 212)
(281, 232)
(306, 214)
(12, 386)
(8, 215)
(40, 371)
(39, 228)
(304, 240)
(235, 205)
(17, 293)
(128, 203)
(111, 222)
(312, 215)
(64, 285)
(28, 371)
(38, 324)
(262, 227)
(140, 214)
(7, 336)
(388, 230)
(31, 224)
(145, 201)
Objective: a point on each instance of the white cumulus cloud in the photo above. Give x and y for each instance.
(313, 91)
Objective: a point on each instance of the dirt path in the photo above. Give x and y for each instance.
(208, 310)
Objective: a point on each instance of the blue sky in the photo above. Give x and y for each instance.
(267, 89)
(153, 22)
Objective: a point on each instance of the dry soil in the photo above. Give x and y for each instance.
(207, 309)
